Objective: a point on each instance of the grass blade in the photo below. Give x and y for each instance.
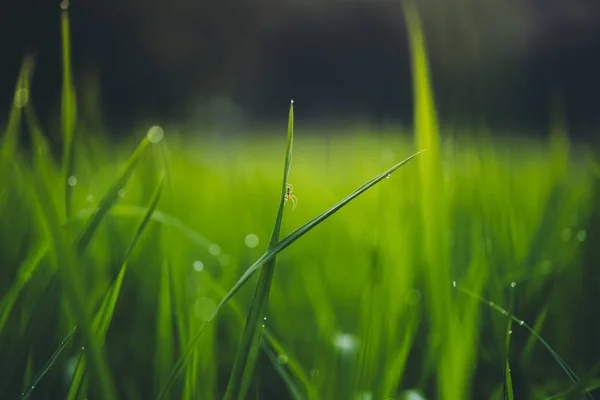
(247, 353)
(21, 96)
(110, 197)
(68, 111)
(272, 252)
(568, 371)
(48, 364)
(105, 313)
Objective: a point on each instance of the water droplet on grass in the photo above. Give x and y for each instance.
(204, 308)
(64, 4)
(21, 97)
(214, 249)
(581, 235)
(121, 193)
(345, 342)
(89, 198)
(282, 359)
(513, 284)
(155, 134)
(72, 181)
(387, 155)
(510, 332)
(388, 176)
(491, 303)
(198, 265)
(251, 240)
(521, 323)
(453, 283)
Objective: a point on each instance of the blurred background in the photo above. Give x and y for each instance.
(239, 62)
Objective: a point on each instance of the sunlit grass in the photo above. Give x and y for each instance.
(448, 278)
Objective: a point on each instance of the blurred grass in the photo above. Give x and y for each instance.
(361, 307)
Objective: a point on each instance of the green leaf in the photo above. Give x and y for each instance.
(105, 313)
(272, 252)
(247, 352)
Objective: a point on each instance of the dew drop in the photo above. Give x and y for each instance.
(521, 323)
(388, 176)
(82, 348)
(503, 311)
(214, 249)
(491, 303)
(387, 155)
(345, 342)
(89, 198)
(198, 265)
(72, 181)
(513, 284)
(121, 193)
(510, 332)
(64, 4)
(251, 240)
(453, 283)
(155, 134)
(204, 308)
(21, 97)
(263, 325)
(265, 318)
(581, 235)
(282, 359)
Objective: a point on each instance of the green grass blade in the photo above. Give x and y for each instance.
(110, 197)
(105, 313)
(24, 273)
(72, 283)
(568, 371)
(531, 341)
(280, 246)
(247, 353)
(68, 112)
(10, 140)
(293, 388)
(48, 364)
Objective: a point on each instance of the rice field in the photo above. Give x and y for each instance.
(175, 265)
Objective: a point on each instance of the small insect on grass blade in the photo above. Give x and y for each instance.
(272, 252)
(247, 353)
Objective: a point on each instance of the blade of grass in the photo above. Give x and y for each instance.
(105, 313)
(68, 112)
(48, 364)
(24, 273)
(247, 353)
(280, 246)
(568, 371)
(294, 390)
(72, 282)
(21, 96)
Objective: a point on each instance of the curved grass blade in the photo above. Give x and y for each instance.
(69, 273)
(247, 353)
(105, 313)
(24, 273)
(158, 216)
(68, 112)
(10, 139)
(280, 246)
(48, 364)
(289, 382)
(568, 371)
(110, 197)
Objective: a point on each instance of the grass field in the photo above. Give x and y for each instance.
(470, 272)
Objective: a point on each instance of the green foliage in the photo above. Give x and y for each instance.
(398, 294)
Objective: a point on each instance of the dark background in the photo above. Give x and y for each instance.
(495, 61)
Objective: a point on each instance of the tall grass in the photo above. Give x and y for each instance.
(127, 272)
